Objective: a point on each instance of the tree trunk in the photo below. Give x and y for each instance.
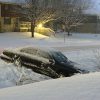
(68, 32)
(32, 28)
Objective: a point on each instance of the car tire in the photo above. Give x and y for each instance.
(17, 62)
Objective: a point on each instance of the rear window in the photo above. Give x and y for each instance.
(43, 54)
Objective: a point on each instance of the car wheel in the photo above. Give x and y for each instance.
(17, 62)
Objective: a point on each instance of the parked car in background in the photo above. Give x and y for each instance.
(41, 60)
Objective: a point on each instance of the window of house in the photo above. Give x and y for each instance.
(7, 20)
(6, 7)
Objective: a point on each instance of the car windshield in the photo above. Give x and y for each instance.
(59, 56)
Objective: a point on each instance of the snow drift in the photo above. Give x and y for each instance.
(81, 87)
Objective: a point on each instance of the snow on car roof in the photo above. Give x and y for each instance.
(46, 49)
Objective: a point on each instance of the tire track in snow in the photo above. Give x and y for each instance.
(77, 48)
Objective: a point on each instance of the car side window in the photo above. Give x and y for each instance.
(43, 54)
(29, 51)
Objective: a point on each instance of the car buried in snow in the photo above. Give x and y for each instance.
(41, 60)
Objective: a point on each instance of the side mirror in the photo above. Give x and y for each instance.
(52, 61)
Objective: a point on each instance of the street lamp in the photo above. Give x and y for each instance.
(40, 25)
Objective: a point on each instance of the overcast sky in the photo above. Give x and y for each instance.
(96, 7)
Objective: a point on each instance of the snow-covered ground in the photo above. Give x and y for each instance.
(12, 40)
(80, 48)
(79, 87)
(12, 76)
(87, 59)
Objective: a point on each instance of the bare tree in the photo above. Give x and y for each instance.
(36, 12)
(43, 11)
(30, 10)
(72, 13)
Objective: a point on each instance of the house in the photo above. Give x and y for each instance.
(9, 20)
(91, 25)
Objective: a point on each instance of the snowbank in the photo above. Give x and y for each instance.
(12, 76)
(81, 87)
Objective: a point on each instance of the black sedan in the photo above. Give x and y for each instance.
(41, 60)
